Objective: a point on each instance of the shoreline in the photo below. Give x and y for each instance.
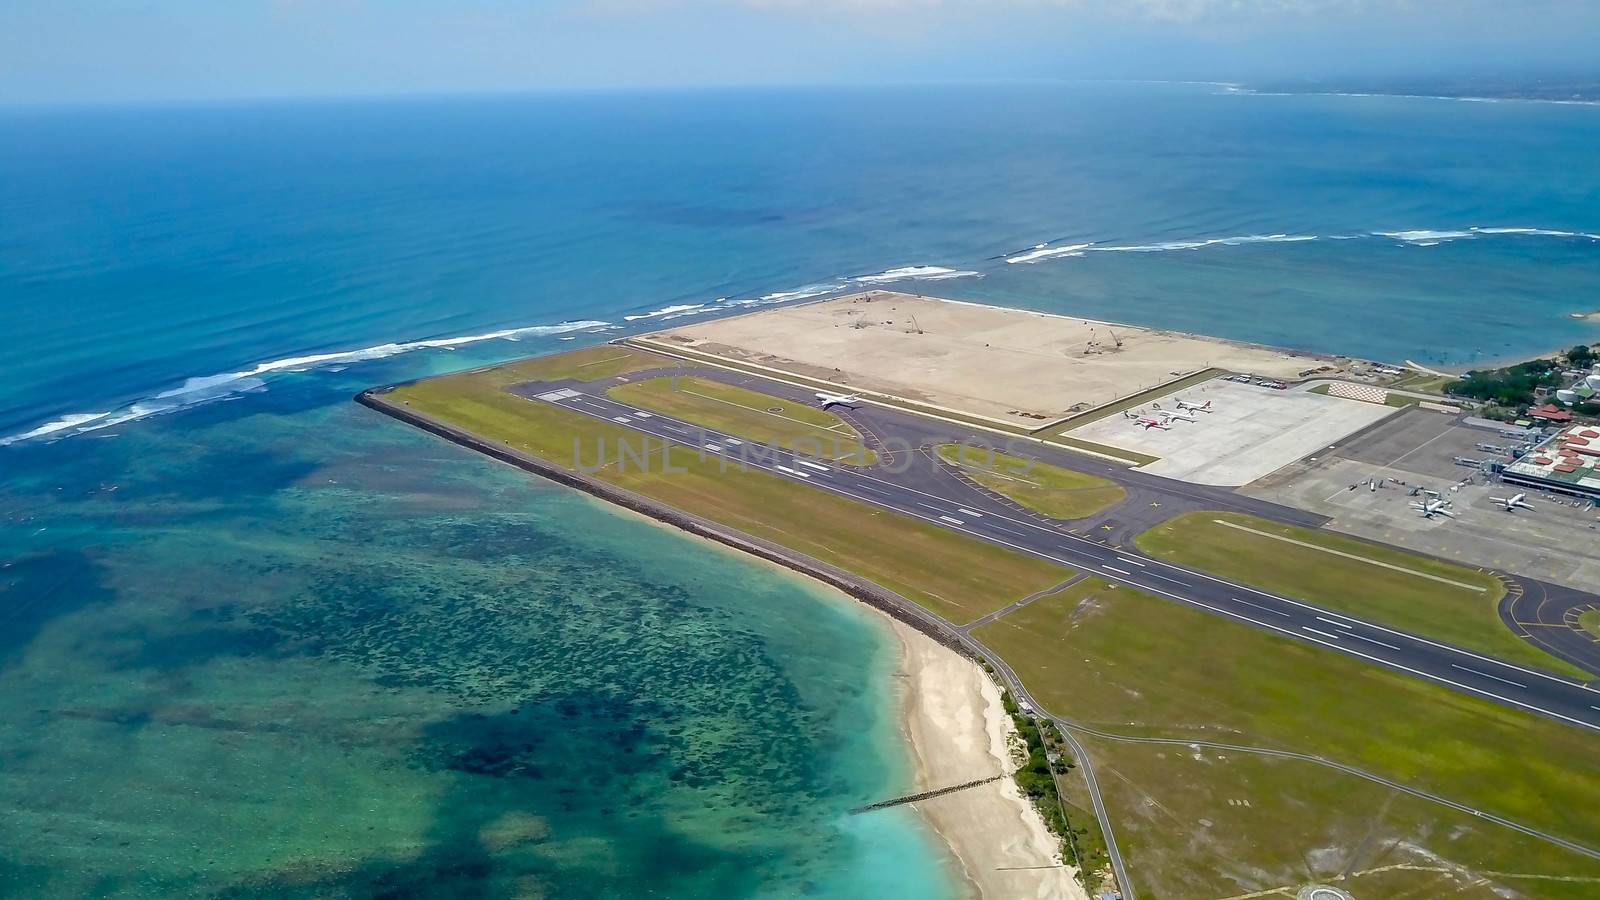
(957, 730)
(953, 728)
(951, 703)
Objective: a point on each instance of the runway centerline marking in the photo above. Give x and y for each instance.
(1374, 641)
(1333, 622)
(1276, 612)
(1323, 633)
(1487, 675)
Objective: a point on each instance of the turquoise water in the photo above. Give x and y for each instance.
(303, 652)
(256, 641)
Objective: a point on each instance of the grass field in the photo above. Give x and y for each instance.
(588, 364)
(1048, 490)
(957, 577)
(1464, 616)
(1423, 382)
(1589, 620)
(1116, 658)
(751, 415)
(1204, 823)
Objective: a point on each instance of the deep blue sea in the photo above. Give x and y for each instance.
(256, 641)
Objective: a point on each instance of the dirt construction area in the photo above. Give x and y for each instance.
(1015, 366)
(1249, 432)
(1558, 539)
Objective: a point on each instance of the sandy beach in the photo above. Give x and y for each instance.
(958, 732)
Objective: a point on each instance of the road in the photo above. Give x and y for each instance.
(933, 493)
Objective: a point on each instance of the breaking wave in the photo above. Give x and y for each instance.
(1210, 242)
(915, 273)
(667, 312)
(1423, 237)
(227, 385)
(800, 293)
(1045, 251)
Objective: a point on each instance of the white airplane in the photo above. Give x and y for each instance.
(1184, 414)
(1187, 406)
(1514, 502)
(850, 401)
(1430, 508)
(1163, 421)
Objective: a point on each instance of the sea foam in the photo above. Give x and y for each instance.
(916, 273)
(1210, 242)
(228, 385)
(1424, 237)
(1045, 251)
(666, 312)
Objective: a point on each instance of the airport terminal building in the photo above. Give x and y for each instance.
(1567, 463)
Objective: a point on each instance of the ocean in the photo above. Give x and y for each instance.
(258, 641)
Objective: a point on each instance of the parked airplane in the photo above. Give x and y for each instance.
(1430, 508)
(849, 401)
(1194, 407)
(1162, 421)
(1184, 414)
(1514, 502)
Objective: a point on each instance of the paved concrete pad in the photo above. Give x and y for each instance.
(1556, 541)
(1251, 431)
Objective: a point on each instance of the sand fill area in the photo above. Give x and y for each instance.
(1010, 365)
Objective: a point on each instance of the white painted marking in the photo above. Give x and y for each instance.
(1333, 621)
(1425, 676)
(642, 414)
(812, 465)
(673, 428)
(975, 515)
(937, 509)
(1131, 562)
(1276, 612)
(1487, 675)
(791, 471)
(1360, 637)
(734, 441)
(714, 448)
(1165, 578)
(623, 419)
(1116, 570)
(951, 521)
(1005, 529)
(881, 493)
(1323, 633)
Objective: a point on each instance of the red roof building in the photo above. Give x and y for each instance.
(1550, 413)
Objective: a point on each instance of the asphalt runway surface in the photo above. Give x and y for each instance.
(916, 484)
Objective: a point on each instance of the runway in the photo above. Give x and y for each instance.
(923, 488)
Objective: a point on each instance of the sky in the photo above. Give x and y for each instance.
(109, 51)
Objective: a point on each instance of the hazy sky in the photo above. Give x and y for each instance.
(116, 50)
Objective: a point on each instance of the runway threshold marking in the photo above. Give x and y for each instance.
(1487, 675)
